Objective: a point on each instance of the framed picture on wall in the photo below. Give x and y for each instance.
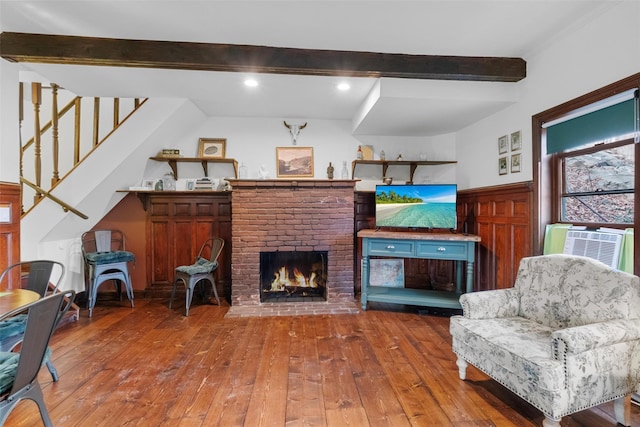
(502, 166)
(515, 163)
(294, 162)
(516, 141)
(212, 148)
(503, 144)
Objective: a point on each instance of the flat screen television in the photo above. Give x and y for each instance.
(419, 206)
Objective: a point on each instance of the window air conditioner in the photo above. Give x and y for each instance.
(602, 246)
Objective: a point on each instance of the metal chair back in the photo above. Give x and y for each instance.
(38, 276)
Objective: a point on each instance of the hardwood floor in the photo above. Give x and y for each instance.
(388, 366)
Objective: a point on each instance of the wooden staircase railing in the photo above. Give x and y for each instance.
(72, 148)
(42, 192)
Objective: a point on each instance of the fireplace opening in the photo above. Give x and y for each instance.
(293, 276)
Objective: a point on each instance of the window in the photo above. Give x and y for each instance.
(583, 153)
(592, 154)
(597, 184)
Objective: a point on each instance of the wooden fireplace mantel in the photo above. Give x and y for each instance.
(238, 184)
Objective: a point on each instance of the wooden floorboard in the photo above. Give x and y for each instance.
(387, 366)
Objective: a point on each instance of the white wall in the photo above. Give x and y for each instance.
(252, 141)
(589, 55)
(9, 129)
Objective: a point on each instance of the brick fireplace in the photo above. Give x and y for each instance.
(289, 216)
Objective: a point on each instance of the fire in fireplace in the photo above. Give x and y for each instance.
(293, 276)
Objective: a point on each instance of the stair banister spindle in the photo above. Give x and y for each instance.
(36, 99)
(20, 121)
(76, 132)
(54, 132)
(116, 112)
(96, 121)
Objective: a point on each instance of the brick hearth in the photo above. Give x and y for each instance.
(291, 215)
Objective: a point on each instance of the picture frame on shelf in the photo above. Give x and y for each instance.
(502, 166)
(294, 162)
(516, 141)
(149, 183)
(212, 148)
(515, 162)
(503, 144)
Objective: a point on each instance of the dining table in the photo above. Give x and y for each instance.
(11, 299)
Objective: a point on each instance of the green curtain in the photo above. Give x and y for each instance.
(554, 237)
(626, 252)
(609, 122)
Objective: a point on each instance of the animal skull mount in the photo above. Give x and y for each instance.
(294, 130)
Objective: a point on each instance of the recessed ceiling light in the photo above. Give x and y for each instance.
(344, 86)
(251, 82)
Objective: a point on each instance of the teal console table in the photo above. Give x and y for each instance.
(400, 244)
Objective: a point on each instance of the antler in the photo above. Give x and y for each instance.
(303, 126)
(288, 126)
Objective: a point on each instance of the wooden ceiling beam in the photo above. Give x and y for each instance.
(75, 50)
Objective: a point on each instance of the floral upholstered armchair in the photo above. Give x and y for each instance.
(565, 338)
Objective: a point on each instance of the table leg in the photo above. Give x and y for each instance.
(364, 285)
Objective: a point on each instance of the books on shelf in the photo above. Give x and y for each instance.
(203, 184)
(169, 152)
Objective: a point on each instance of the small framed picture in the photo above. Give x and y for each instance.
(516, 141)
(515, 162)
(149, 184)
(212, 148)
(502, 166)
(503, 144)
(294, 162)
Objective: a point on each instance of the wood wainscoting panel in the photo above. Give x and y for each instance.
(10, 227)
(501, 216)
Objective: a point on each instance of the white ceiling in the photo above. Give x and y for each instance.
(399, 107)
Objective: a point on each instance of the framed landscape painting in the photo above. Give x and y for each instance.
(294, 162)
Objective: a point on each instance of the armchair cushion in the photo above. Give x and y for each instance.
(99, 258)
(517, 347)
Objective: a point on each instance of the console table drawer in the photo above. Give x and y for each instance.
(444, 250)
(386, 247)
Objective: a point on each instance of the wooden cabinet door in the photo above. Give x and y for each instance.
(177, 226)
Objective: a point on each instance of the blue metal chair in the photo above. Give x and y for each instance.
(106, 258)
(203, 269)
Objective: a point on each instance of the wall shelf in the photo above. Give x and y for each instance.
(413, 165)
(173, 163)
